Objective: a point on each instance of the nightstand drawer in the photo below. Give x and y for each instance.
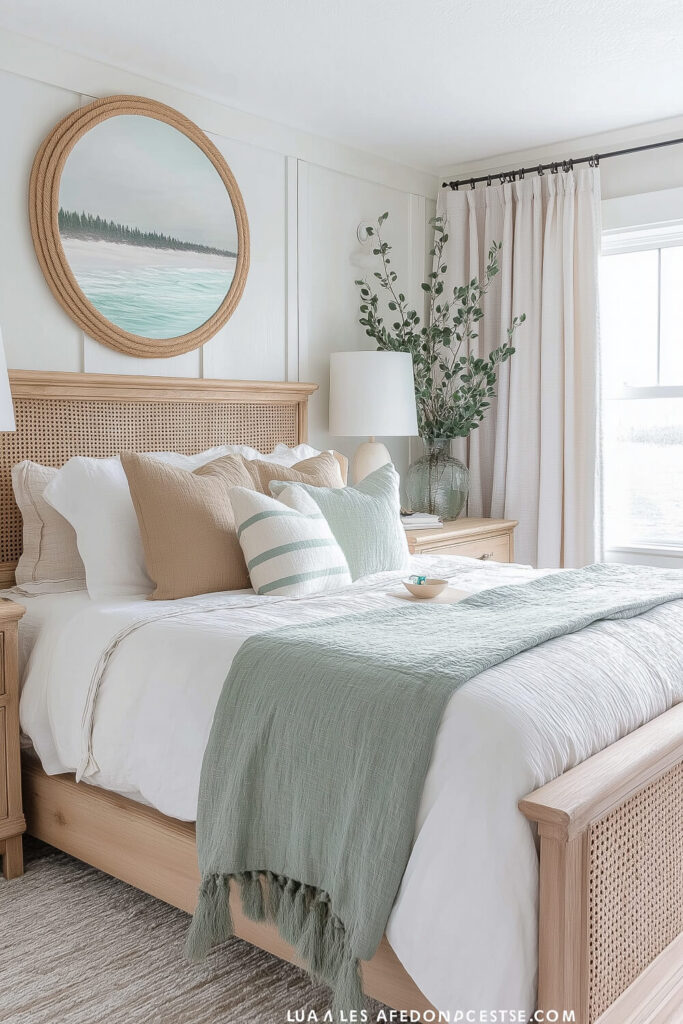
(487, 539)
(4, 807)
(493, 549)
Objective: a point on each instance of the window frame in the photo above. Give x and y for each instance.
(616, 241)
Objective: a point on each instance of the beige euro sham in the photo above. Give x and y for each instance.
(50, 555)
(320, 471)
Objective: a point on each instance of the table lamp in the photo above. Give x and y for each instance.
(371, 394)
(7, 424)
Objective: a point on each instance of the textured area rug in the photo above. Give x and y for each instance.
(79, 947)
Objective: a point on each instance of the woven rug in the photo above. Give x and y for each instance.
(79, 947)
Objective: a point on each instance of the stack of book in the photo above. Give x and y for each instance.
(420, 521)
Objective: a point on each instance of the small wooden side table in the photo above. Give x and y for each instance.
(12, 823)
(486, 539)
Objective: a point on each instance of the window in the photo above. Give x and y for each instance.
(642, 372)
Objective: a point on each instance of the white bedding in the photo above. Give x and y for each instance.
(464, 922)
(45, 610)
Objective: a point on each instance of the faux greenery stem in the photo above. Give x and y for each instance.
(453, 386)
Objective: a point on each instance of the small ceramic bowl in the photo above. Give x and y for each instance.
(430, 588)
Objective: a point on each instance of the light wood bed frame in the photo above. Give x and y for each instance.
(610, 830)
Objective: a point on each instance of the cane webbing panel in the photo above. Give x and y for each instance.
(635, 887)
(52, 430)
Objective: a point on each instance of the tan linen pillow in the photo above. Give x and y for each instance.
(187, 524)
(50, 554)
(319, 471)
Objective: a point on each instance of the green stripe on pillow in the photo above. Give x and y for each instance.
(290, 550)
(294, 545)
(301, 577)
(273, 512)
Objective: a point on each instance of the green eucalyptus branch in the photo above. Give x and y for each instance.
(453, 386)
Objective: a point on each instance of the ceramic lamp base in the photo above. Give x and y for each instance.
(369, 456)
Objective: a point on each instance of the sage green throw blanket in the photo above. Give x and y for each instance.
(321, 741)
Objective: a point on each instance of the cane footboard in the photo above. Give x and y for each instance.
(611, 879)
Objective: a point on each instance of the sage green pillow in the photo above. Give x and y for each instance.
(365, 519)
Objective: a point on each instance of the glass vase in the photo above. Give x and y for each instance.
(437, 482)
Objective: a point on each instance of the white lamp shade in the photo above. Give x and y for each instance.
(372, 394)
(6, 408)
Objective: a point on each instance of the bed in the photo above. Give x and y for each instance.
(598, 907)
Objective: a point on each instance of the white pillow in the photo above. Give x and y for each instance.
(281, 455)
(288, 552)
(93, 495)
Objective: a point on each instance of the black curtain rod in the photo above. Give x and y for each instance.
(556, 165)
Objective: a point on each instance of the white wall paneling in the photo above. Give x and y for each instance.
(644, 211)
(304, 198)
(292, 269)
(36, 331)
(252, 345)
(98, 358)
(331, 206)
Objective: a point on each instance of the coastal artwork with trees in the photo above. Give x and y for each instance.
(147, 226)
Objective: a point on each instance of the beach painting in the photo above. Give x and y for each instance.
(147, 226)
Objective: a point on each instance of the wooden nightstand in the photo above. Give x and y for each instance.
(487, 539)
(12, 822)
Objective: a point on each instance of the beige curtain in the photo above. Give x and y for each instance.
(535, 457)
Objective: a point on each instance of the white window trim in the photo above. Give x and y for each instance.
(649, 236)
(648, 554)
(626, 391)
(658, 235)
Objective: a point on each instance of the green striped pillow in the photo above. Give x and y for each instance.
(288, 552)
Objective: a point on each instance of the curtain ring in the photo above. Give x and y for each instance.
(488, 180)
(539, 170)
(597, 159)
(553, 168)
(455, 185)
(472, 183)
(521, 174)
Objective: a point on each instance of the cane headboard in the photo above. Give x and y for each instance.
(59, 415)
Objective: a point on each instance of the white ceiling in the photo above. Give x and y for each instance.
(429, 83)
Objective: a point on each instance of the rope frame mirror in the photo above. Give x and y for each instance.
(44, 203)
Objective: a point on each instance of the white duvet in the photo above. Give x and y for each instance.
(124, 692)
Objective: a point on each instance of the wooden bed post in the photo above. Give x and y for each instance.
(611, 880)
(562, 977)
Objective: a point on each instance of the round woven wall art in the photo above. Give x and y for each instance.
(139, 226)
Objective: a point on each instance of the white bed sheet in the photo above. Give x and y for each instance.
(44, 611)
(464, 921)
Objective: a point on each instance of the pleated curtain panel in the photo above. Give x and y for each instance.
(535, 458)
